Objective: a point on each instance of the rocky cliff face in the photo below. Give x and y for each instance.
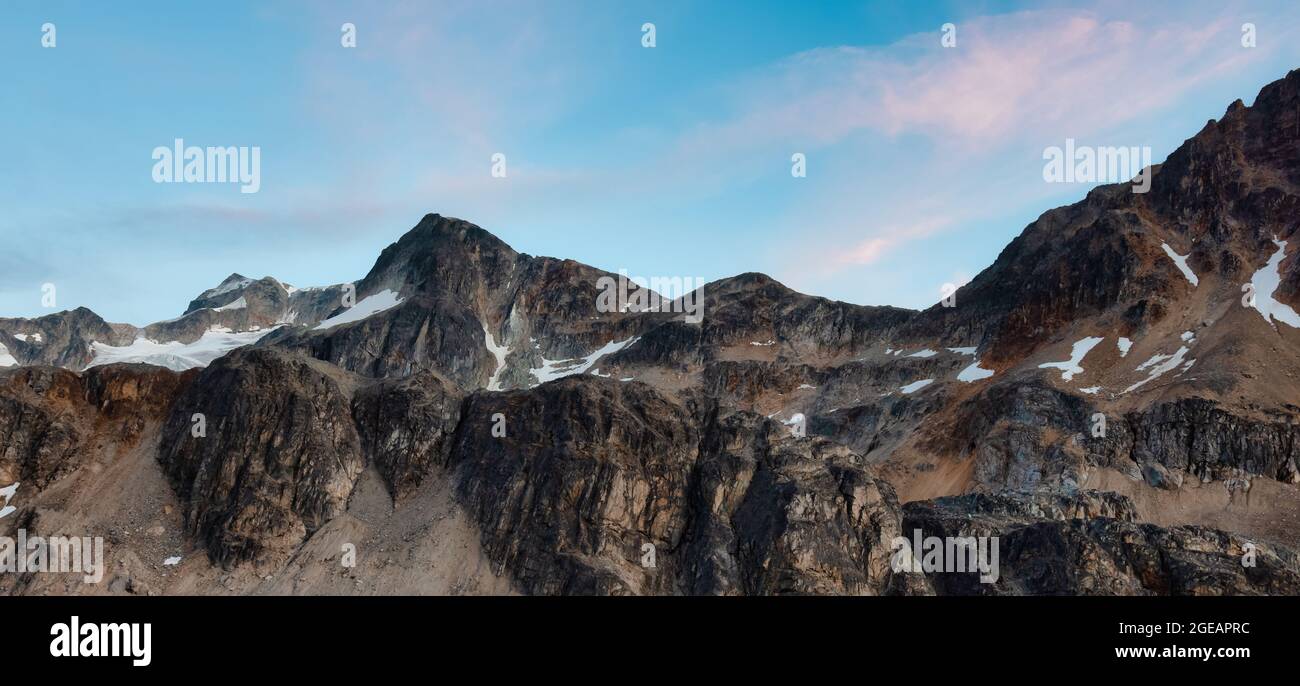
(603, 487)
(263, 450)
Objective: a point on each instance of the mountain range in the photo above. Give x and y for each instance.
(1115, 398)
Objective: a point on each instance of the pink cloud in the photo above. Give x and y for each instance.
(887, 238)
(1008, 75)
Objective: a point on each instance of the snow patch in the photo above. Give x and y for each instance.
(963, 351)
(1181, 262)
(557, 369)
(499, 352)
(370, 305)
(1266, 281)
(230, 284)
(1091, 390)
(1159, 364)
(172, 561)
(1124, 344)
(34, 338)
(1071, 366)
(915, 386)
(924, 353)
(6, 360)
(974, 373)
(235, 305)
(769, 342)
(804, 385)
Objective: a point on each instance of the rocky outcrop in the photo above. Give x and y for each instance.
(1089, 545)
(277, 456)
(406, 428)
(774, 514)
(1029, 435)
(1202, 439)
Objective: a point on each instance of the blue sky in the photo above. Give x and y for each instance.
(923, 161)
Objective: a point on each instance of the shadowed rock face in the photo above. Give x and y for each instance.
(779, 515)
(279, 458)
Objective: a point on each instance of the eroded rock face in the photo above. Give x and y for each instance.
(1089, 544)
(406, 427)
(279, 458)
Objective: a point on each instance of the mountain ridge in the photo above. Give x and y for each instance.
(1096, 395)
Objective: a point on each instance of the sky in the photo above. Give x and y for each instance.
(922, 160)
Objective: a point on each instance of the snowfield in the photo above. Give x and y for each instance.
(1159, 364)
(174, 355)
